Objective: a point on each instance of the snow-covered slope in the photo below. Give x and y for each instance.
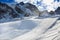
(52, 34)
(23, 21)
(11, 30)
(31, 28)
(43, 26)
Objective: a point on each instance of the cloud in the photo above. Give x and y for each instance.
(51, 5)
(18, 1)
(21, 1)
(45, 4)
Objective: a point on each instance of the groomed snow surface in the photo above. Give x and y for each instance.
(31, 28)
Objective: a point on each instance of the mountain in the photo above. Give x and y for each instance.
(23, 21)
(28, 7)
(52, 13)
(18, 10)
(6, 10)
(57, 10)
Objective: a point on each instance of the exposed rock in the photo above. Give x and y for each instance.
(57, 10)
(44, 13)
(52, 13)
(33, 8)
(20, 9)
(6, 10)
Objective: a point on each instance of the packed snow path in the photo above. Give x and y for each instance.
(43, 26)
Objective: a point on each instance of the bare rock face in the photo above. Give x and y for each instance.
(33, 8)
(52, 13)
(19, 8)
(6, 10)
(45, 13)
(57, 10)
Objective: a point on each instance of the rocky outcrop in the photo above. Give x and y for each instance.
(57, 10)
(44, 13)
(33, 8)
(6, 10)
(52, 13)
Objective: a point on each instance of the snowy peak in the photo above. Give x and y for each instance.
(28, 8)
(18, 10)
(21, 10)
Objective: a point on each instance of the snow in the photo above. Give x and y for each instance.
(31, 28)
(45, 27)
(53, 33)
(11, 30)
(39, 30)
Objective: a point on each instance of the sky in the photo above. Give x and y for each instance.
(41, 4)
(9, 1)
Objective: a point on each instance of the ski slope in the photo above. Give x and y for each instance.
(39, 30)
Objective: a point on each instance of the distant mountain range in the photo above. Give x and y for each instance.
(20, 10)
